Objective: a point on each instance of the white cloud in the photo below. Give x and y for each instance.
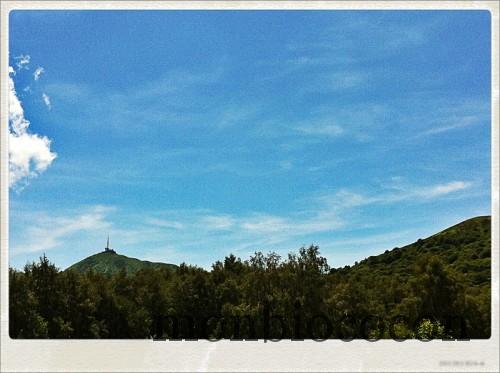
(201, 236)
(466, 121)
(448, 114)
(401, 191)
(398, 192)
(46, 100)
(22, 61)
(347, 199)
(231, 232)
(217, 222)
(279, 228)
(38, 72)
(266, 224)
(29, 153)
(244, 233)
(442, 189)
(421, 193)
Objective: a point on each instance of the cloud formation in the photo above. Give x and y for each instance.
(196, 235)
(460, 122)
(22, 61)
(38, 72)
(442, 189)
(46, 100)
(29, 153)
(46, 231)
(397, 193)
(322, 129)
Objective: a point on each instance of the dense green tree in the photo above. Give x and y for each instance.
(439, 287)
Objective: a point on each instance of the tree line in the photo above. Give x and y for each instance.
(266, 296)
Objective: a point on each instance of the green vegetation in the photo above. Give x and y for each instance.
(112, 263)
(438, 287)
(465, 248)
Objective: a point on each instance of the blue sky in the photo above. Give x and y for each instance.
(189, 135)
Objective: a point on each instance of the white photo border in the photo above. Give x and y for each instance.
(249, 356)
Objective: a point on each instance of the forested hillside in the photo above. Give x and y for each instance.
(111, 263)
(465, 248)
(438, 287)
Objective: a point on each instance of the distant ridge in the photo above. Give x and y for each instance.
(110, 262)
(464, 247)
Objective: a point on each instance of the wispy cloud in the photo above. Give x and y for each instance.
(38, 73)
(313, 216)
(358, 122)
(46, 100)
(164, 223)
(347, 42)
(254, 224)
(200, 236)
(439, 190)
(22, 61)
(236, 114)
(323, 129)
(218, 222)
(170, 100)
(335, 81)
(455, 123)
(378, 35)
(211, 230)
(48, 231)
(176, 81)
(394, 193)
(432, 117)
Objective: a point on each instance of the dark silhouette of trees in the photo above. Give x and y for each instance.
(266, 296)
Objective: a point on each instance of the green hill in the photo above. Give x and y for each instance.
(111, 263)
(465, 248)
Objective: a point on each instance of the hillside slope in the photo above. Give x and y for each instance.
(111, 263)
(465, 248)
